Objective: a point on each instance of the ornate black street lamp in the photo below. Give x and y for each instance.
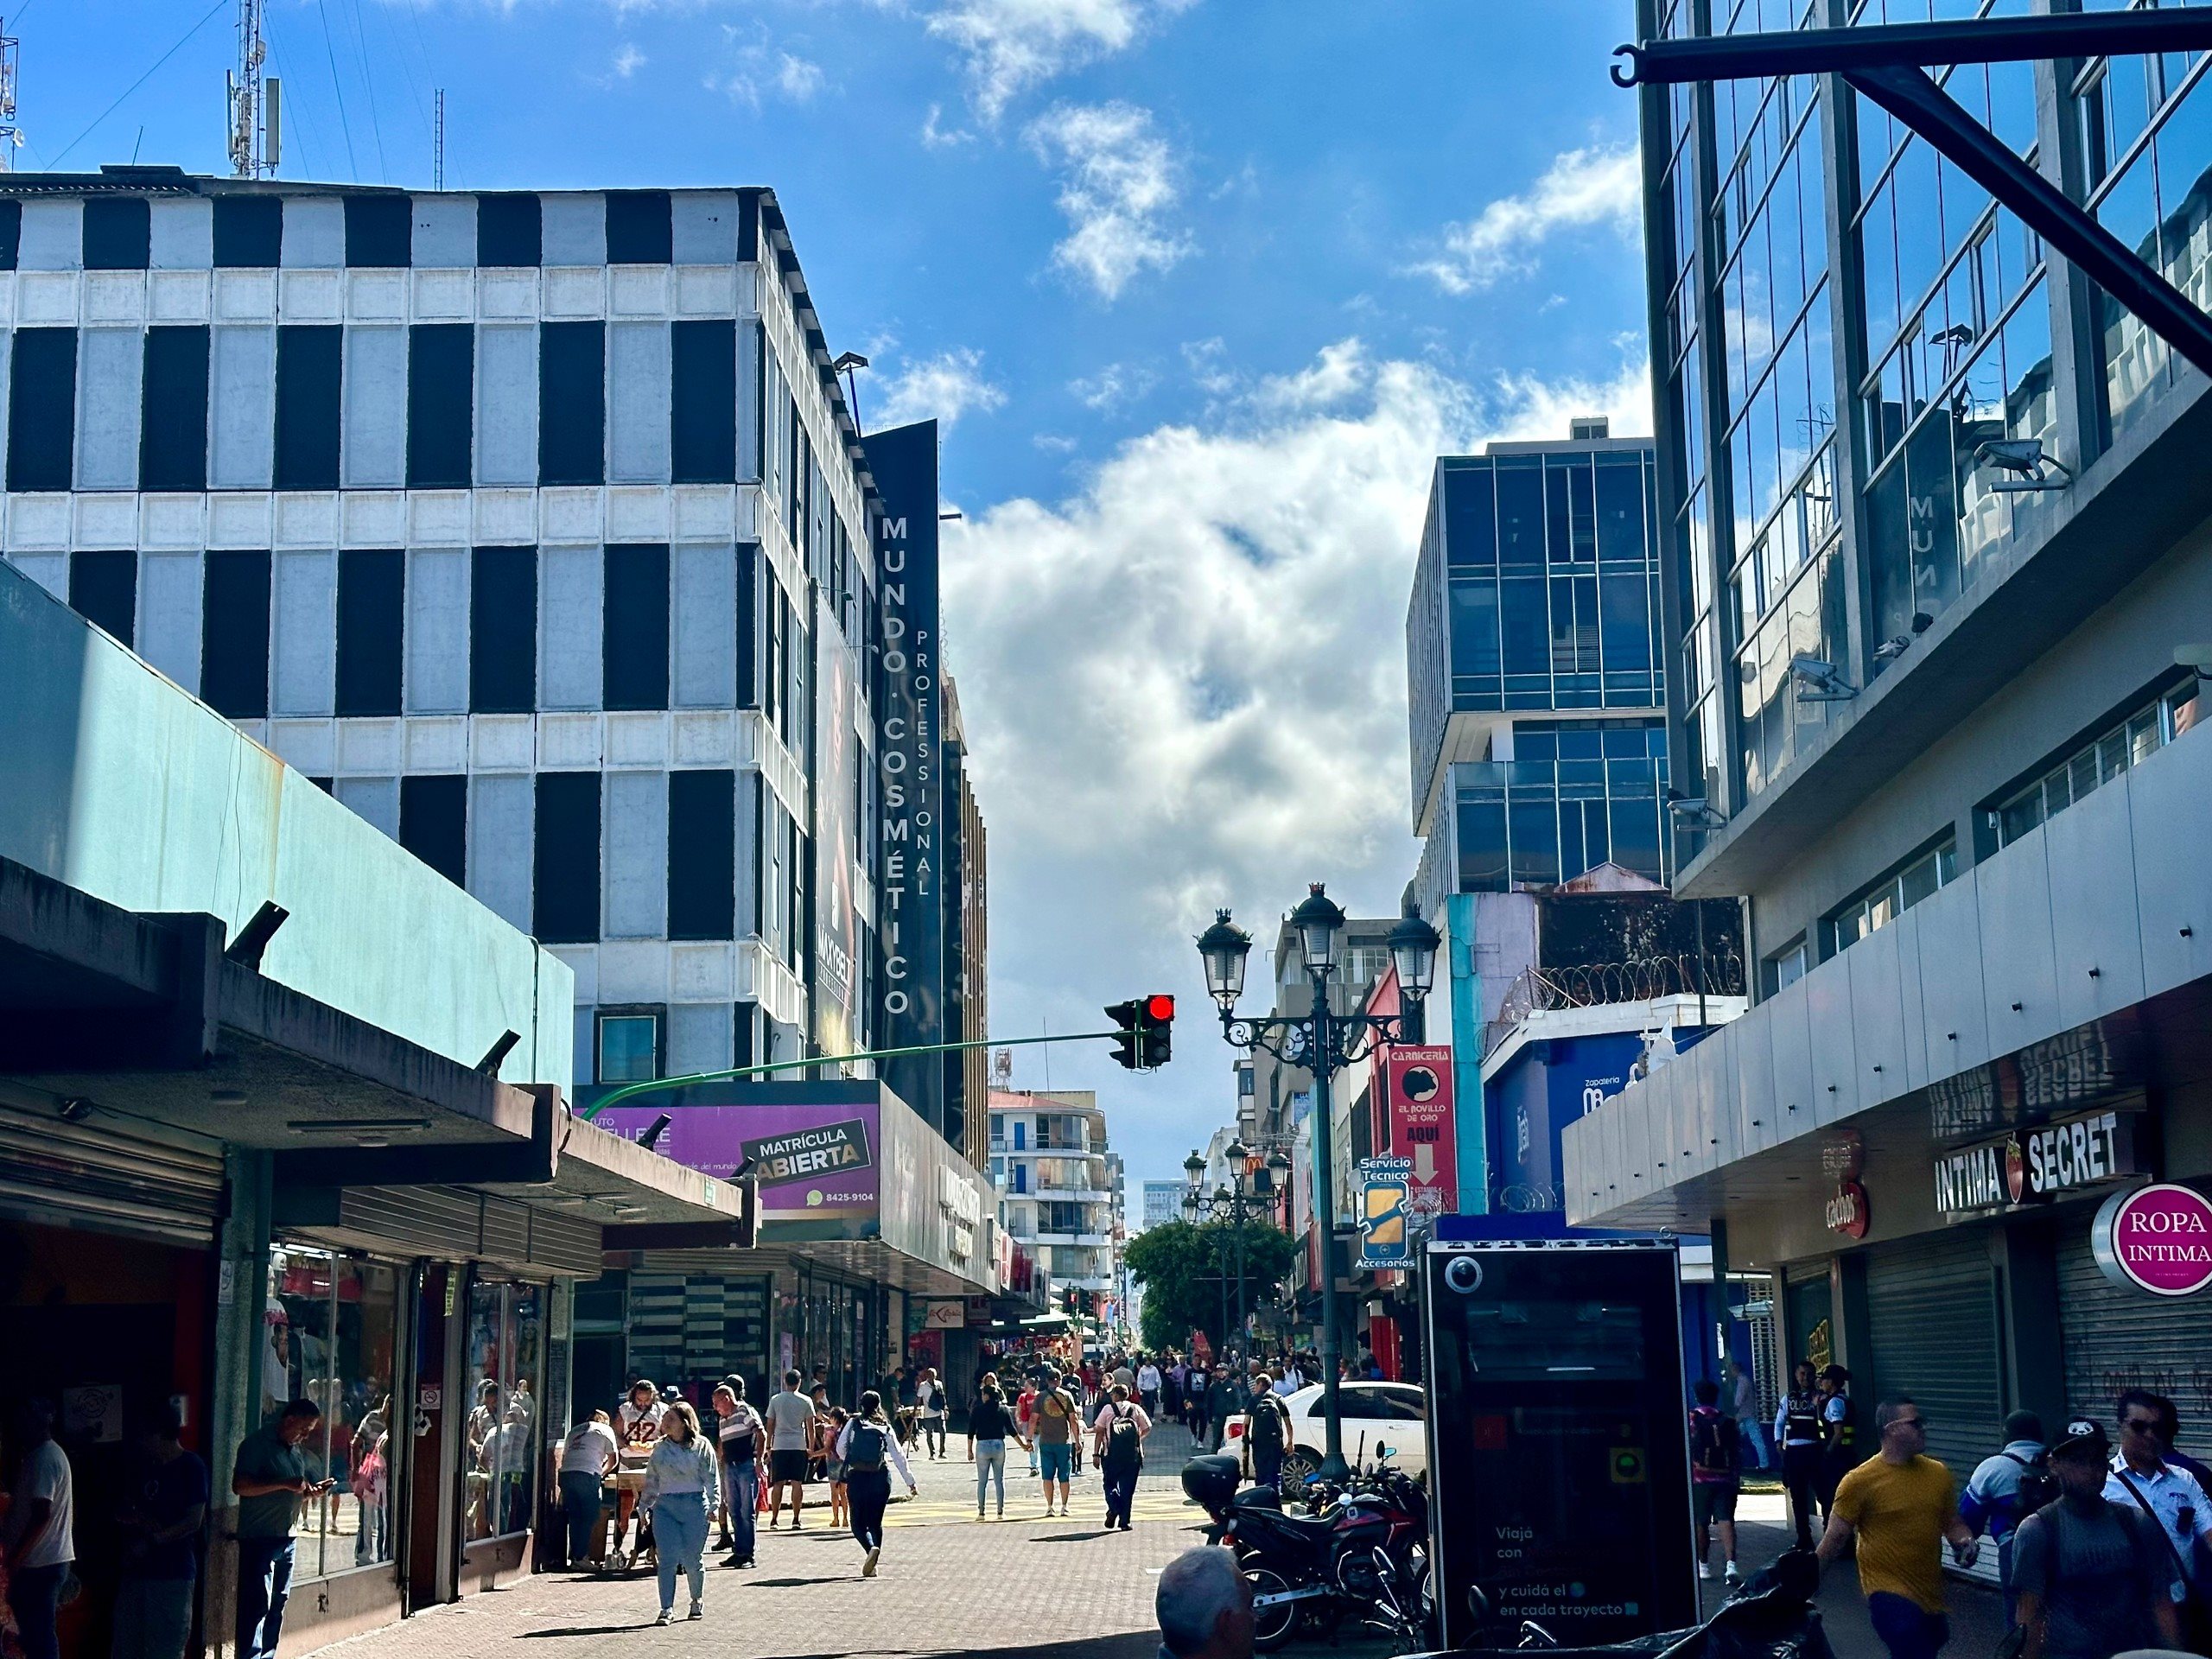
(1323, 1043)
(1244, 1194)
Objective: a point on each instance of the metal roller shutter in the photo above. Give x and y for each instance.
(2118, 1338)
(1931, 1310)
(96, 1174)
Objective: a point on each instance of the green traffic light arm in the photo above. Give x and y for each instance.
(656, 1084)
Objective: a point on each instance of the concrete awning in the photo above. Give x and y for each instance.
(160, 1018)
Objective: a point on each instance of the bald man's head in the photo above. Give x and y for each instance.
(1204, 1607)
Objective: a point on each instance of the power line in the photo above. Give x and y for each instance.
(205, 17)
(345, 126)
(369, 80)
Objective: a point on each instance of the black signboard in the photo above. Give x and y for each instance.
(1559, 1467)
(909, 705)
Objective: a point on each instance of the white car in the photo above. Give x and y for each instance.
(1376, 1414)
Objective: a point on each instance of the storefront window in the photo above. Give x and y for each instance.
(332, 1325)
(507, 1348)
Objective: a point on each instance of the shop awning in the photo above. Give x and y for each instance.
(107, 1013)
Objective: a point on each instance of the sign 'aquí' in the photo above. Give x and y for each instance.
(2156, 1239)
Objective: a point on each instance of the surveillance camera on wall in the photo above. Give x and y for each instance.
(2020, 466)
(1819, 681)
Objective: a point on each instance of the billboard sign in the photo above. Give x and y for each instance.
(1386, 1212)
(814, 1162)
(910, 787)
(1423, 1125)
(2156, 1239)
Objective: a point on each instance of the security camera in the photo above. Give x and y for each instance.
(1464, 1273)
(2196, 657)
(1688, 808)
(1819, 681)
(2021, 465)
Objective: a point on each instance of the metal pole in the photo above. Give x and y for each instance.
(1237, 1211)
(1332, 1462)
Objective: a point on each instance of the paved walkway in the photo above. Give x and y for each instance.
(1022, 1588)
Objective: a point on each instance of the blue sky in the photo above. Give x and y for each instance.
(1199, 289)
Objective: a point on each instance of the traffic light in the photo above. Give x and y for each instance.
(1144, 1039)
(1129, 1017)
(1158, 1027)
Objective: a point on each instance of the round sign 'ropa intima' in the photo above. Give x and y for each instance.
(2156, 1239)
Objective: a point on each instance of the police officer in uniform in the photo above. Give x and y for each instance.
(1797, 1430)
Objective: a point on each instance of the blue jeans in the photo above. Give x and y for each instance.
(264, 1585)
(1908, 1630)
(35, 1594)
(990, 1464)
(680, 1541)
(153, 1618)
(741, 1505)
(580, 1503)
(1266, 1464)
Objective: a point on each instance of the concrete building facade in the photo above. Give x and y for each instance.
(533, 524)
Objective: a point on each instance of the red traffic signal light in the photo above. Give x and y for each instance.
(1142, 1040)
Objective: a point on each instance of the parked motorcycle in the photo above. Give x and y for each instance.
(1363, 1556)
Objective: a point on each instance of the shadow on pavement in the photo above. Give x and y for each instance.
(586, 1629)
(1070, 1537)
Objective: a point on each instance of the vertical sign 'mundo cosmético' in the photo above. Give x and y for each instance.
(909, 861)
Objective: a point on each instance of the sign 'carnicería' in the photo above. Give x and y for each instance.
(909, 700)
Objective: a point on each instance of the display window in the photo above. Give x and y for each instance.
(507, 1362)
(332, 1325)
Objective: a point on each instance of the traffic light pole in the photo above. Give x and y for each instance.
(738, 1073)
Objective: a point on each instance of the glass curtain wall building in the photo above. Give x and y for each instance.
(1534, 651)
(1843, 319)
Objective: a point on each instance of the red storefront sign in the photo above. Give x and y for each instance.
(1422, 1124)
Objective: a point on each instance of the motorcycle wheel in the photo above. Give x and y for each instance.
(1271, 1626)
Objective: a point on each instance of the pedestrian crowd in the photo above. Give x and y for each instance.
(2103, 1543)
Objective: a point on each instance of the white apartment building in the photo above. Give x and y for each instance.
(1057, 1182)
(533, 526)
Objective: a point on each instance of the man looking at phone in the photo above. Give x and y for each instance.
(271, 1481)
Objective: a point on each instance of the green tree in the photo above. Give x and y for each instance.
(1181, 1267)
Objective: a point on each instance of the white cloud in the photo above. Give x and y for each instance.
(759, 70)
(1120, 179)
(1113, 386)
(1601, 185)
(936, 135)
(628, 61)
(942, 388)
(1009, 46)
(1185, 686)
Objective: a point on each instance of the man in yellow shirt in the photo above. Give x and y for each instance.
(1901, 1505)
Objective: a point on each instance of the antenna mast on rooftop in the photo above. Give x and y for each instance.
(11, 135)
(438, 145)
(254, 100)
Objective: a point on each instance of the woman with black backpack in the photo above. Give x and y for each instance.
(1120, 1427)
(869, 1452)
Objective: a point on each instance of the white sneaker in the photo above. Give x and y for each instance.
(1735, 1576)
(667, 1615)
(1705, 1570)
(697, 1611)
(867, 1567)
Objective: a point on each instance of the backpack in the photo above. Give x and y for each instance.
(2038, 1487)
(1270, 1425)
(867, 1449)
(1713, 1443)
(1124, 1445)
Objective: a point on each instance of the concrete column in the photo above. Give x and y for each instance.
(234, 1388)
(2024, 1253)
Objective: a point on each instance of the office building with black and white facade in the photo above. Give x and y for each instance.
(535, 524)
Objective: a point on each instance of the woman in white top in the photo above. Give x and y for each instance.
(929, 1399)
(869, 1452)
(680, 1488)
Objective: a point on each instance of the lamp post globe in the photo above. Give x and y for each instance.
(1320, 924)
(1223, 948)
(1412, 944)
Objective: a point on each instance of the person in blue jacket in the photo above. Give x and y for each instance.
(2005, 1488)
